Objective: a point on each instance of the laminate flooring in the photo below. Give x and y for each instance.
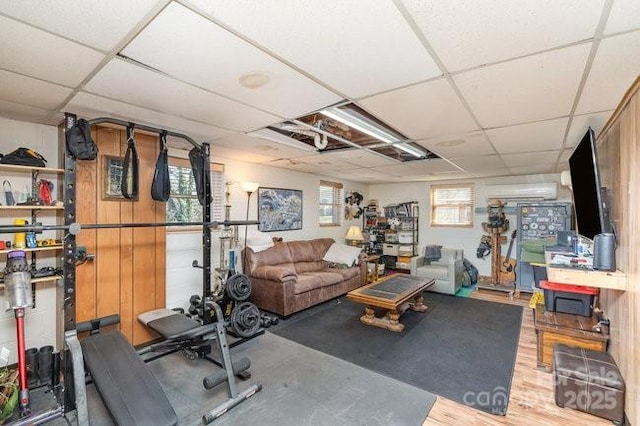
(531, 400)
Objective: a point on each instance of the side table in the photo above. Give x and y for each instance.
(372, 275)
(572, 330)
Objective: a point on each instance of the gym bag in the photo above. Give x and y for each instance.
(161, 185)
(129, 184)
(23, 157)
(79, 142)
(196, 157)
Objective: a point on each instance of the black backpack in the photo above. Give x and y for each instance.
(79, 142)
(23, 157)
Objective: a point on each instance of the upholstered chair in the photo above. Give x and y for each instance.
(447, 270)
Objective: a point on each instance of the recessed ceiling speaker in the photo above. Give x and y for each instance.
(604, 252)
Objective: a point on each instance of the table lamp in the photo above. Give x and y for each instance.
(354, 235)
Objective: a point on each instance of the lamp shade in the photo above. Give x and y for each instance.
(354, 233)
(250, 186)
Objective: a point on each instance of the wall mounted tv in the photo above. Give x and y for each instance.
(590, 207)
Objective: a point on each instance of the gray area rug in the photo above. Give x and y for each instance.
(462, 349)
(301, 386)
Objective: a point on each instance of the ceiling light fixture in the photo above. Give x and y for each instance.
(274, 136)
(361, 123)
(411, 150)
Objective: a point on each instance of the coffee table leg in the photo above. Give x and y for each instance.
(418, 304)
(369, 316)
(394, 321)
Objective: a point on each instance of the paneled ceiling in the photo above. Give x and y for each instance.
(493, 87)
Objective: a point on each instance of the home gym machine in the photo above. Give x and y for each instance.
(116, 368)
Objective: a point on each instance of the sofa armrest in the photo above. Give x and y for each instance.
(455, 272)
(416, 262)
(278, 273)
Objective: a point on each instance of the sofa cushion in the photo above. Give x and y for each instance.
(341, 253)
(306, 282)
(327, 277)
(347, 273)
(276, 255)
(278, 273)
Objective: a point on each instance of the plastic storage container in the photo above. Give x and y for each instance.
(568, 299)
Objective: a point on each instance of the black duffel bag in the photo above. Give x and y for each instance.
(79, 142)
(23, 157)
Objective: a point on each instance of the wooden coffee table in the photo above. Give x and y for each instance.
(396, 293)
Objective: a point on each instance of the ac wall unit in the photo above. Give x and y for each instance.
(523, 191)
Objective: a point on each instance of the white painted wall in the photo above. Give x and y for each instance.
(39, 322)
(465, 238)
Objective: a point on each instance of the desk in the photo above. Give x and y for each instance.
(572, 330)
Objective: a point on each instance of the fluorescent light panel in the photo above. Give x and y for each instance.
(363, 124)
(411, 150)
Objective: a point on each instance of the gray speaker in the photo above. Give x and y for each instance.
(604, 252)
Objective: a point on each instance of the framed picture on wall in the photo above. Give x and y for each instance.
(279, 209)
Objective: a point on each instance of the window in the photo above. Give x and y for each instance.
(183, 204)
(330, 203)
(452, 205)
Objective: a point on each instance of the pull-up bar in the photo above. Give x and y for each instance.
(75, 228)
(143, 127)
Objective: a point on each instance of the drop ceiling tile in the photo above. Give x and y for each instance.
(532, 170)
(360, 157)
(564, 156)
(258, 146)
(624, 16)
(581, 123)
(22, 112)
(92, 106)
(529, 89)
(148, 89)
(469, 33)
(173, 44)
(479, 163)
(29, 91)
(489, 172)
(542, 159)
(291, 164)
(432, 166)
(326, 162)
(426, 110)
(614, 69)
(97, 23)
(221, 153)
(358, 50)
(36, 53)
(452, 146)
(401, 170)
(539, 136)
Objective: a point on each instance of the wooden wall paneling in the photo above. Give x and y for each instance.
(126, 260)
(86, 194)
(144, 239)
(108, 240)
(621, 159)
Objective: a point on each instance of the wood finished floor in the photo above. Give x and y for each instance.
(531, 400)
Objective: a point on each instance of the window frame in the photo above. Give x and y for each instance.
(434, 188)
(338, 193)
(213, 168)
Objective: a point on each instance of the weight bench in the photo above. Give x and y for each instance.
(125, 383)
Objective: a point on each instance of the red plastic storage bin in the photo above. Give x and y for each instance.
(568, 298)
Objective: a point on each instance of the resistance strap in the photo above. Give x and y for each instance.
(161, 185)
(129, 184)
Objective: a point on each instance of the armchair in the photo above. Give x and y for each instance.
(447, 271)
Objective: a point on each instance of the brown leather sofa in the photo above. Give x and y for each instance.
(292, 276)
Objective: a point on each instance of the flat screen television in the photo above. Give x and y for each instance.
(590, 210)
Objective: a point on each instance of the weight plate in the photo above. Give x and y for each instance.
(238, 287)
(245, 319)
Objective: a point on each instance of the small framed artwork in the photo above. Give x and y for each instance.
(279, 209)
(112, 167)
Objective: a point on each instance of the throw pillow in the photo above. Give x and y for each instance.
(342, 253)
